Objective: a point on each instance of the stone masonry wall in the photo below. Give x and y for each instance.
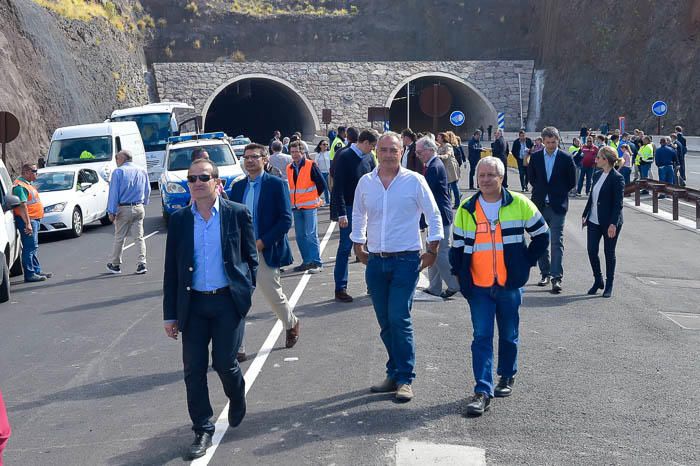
(350, 88)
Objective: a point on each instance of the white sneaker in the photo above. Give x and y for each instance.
(315, 269)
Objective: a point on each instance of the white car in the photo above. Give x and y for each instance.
(72, 197)
(238, 144)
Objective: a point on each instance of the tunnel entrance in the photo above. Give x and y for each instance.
(257, 106)
(438, 94)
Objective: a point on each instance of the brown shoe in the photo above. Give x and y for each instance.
(241, 357)
(387, 386)
(342, 296)
(293, 335)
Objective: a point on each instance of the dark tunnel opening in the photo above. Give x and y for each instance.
(256, 107)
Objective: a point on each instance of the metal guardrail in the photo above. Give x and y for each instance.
(659, 187)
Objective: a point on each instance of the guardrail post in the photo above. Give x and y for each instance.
(637, 194)
(675, 204)
(655, 199)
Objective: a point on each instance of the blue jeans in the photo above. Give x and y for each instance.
(30, 246)
(392, 282)
(666, 174)
(485, 304)
(326, 193)
(305, 229)
(342, 257)
(644, 170)
(588, 174)
(454, 186)
(553, 268)
(626, 172)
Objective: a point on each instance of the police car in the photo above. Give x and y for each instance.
(174, 191)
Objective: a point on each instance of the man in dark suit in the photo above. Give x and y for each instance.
(552, 174)
(210, 265)
(521, 149)
(410, 159)
(267, 199)
(436, 176)
(499, 149)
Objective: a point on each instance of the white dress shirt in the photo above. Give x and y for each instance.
(388, 219)
(595, 193)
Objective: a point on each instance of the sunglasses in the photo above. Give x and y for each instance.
(203, 178)
(35, 171)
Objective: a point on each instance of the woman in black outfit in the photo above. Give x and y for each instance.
(603, 217)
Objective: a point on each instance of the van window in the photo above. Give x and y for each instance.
(154, 128)
(80, 150)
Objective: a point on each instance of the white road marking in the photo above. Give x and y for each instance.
(410, 453)
(144, 238)
(256, 366)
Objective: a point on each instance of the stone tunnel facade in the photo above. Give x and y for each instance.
(349, 88)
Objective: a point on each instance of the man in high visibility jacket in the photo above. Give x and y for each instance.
(492, 263)
(27, 218)
(306, 185)
(645, 157)
(339, 142)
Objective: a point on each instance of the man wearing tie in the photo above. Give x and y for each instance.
(210, 266)
(267, 199)
(552, 174)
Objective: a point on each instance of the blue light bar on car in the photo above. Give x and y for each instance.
(194, 137)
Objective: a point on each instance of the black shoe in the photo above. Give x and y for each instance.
(597, 285)
(141, 268)
(202, 441)
(427, 291)
(236, 413)
(556, 286)
(241, 357)
(448, 294)
(544, 281)
(607, 292)
(302, 267)
(478, 403)
(114, 268)
(342, 296)
(504, 387)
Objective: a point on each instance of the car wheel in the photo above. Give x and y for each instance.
(105, 220)
(5, 286)
(16, 270)
(76, 223)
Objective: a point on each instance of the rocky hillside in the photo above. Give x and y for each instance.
(71, 63)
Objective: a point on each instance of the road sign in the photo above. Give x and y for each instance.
(9, 130)
(457, 118)
(659, 108)
(386, 126)
(326, 116)
(501, 120)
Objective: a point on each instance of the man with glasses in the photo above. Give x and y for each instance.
(129, 192)
(267, 199)
(306, 185)
(210, 266)
(27, 219)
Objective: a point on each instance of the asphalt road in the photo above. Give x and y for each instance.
(90, 378)
(692, 169)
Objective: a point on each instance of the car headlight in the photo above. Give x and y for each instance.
(55, 208)
(173, 188)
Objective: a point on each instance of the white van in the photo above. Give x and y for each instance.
(95, 146)
(10, 243)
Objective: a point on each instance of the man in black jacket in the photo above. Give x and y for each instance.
(499, 149)
(552, 174)
(410, 160)
(521, 149)
(474, 148)
(350, 165)
(210, 266)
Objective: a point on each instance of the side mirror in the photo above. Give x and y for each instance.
(85, 186)
(11, 201)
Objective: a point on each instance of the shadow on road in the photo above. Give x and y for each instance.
(108, 302)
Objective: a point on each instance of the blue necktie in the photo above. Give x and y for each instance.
(250, 198)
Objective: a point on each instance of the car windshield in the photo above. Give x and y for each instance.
(80, 150)
(240, 142)
(54, 181)
(180, 159)
(154, 128)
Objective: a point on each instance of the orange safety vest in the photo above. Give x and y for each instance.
(488, 267)
(34, 206)
(303, 193)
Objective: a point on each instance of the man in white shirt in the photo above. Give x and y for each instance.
(279, 160)
(387, 208)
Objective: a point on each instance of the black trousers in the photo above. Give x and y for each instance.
(212, 318)
(522, 171)
(595, 232)
(472, 171)
(505, 174)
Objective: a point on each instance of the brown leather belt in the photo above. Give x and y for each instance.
(385, 255)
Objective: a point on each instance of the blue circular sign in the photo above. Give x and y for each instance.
(457, 118)
(659, 108)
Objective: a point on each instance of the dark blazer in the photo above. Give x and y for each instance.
(516, 147)
(274, 215)
(238, 250)
(499, 148)
(412, 160)
(436, 176)
(562, 181)
(609, 200)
